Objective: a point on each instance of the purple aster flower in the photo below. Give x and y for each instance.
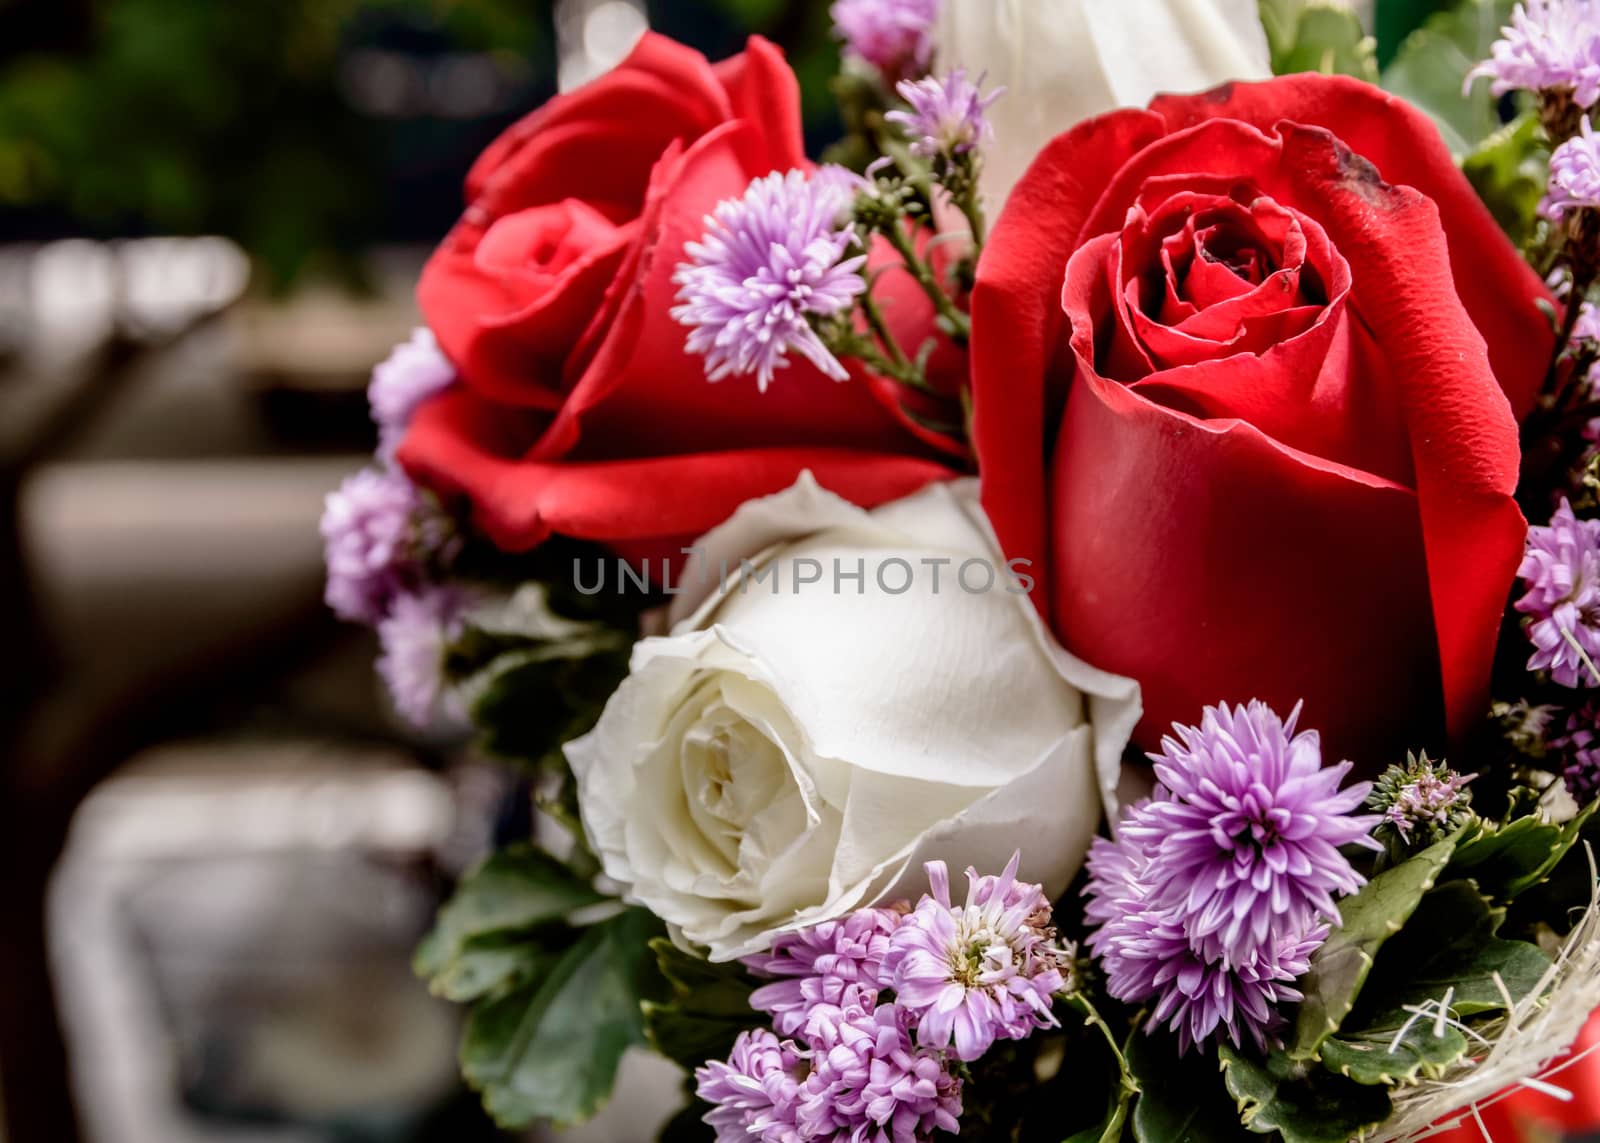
(976, 973)
(870, 1081)
(1550, 45)
(947, 116)
(1561, 572)
(893, 36)
(823, 970)
(1147, 955)
(414, 638)
(1574, 176)
(1578, 750)
(770, 265)
(414, 371)
(369, 537)
(1245, 831)
(754, 1096)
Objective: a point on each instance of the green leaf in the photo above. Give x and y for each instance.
(1449, 947)
(709, 1007)
(516, 890)
(1394, 20)
(1383, 1057)
(490, 963)
(1430, 70)
(1280, 19)
(1326, 37)
(549, 1049)
(1369, 918)
(1303, 1105)
(528, 701)
(1182, 1098)
(1508, 860)
(1508, 170)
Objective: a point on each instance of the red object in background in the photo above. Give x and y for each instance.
(1529, 1116)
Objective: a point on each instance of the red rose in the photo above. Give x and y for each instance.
(579, 411)
(1233, 397)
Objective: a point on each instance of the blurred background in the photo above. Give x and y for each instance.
(219, 846)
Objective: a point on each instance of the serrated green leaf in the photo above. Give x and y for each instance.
(1368, 919)
(708, 1008)
(1449, 947)
(1506, 861)
(1386, 1057)
(514, 890)
(1430, 70)
(1327, 38)
(549, 1049)
(1182, 1097)
(1303, 1105)
(493, 963)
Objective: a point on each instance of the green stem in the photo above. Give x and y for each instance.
(880, 330)
(1129, 1087)
(972, 210)
(959, 324)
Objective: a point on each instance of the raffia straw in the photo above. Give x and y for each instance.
(1525, 1043)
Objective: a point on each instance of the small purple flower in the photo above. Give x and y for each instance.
(1245, 829)
(870, 1082)
(770, 264)
(1429, 799)
(414, 371)
(823, 970)
(947, 117)
(1574, 176)
(1578, 749)
(1147, 954)
(976, 973)
(414, 638)
(1550, 45)
(893, 36)
(1561, 572)
(754, 1096)
(369, 534)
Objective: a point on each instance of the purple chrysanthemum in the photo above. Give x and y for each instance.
(770, 264)
(414, 371)
(1574, 176)
(414, 638)
(870, 1082)
(1147, 954)
(980, 972)
(1561, 572)
(947, 117)
(1578, 751)
(893, 36)
(1245, 830)
(823, 970)
(755, 1094)
(369, 534)
(1550, 45)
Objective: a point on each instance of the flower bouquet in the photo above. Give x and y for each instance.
(1052, 623)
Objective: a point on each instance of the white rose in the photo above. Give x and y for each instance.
(1063, 61)
(784, 757)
